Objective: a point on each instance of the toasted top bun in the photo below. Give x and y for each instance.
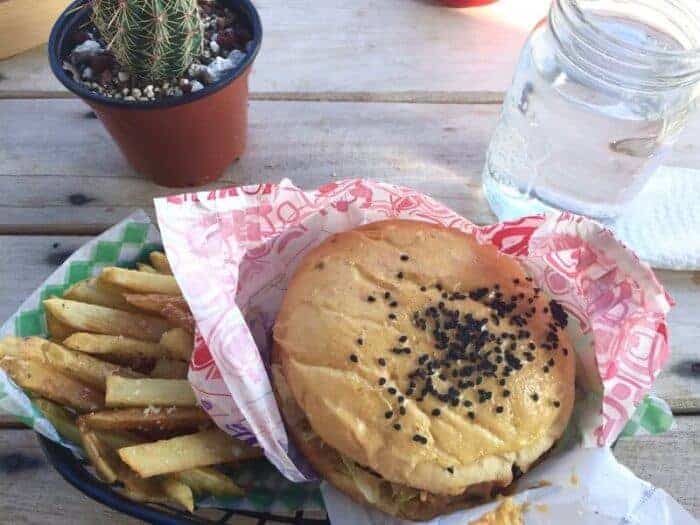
(425, 356)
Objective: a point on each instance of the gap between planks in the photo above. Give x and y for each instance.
(410, 97)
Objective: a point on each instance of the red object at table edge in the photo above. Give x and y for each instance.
(465, 3)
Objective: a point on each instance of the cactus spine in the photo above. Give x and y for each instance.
(154, 40)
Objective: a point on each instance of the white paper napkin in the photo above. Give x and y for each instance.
(662, 225)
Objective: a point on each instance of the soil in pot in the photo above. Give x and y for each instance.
(227, 41)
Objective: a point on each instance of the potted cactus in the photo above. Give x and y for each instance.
(167, 78)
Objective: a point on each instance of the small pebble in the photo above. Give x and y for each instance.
(123, 76)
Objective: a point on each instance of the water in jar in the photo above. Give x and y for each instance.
(569, 141)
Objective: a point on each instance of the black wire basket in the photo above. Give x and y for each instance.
(75, 472)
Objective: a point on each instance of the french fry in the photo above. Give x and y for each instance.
(209, 447)
(88, 291)
(178, 343)
(57, 330)
(140, 489)
(140, 282)
(178, 492)
(169, 369)
(155, 302)
(142, 267)
(146, 419)
(83, 317)
(83, 367)
(60, 418)
(181, 317)
(125, 392)
(102, 457)
(160, 262)
(172, 307)
(206, 480)
(124, 349)
(46, 381)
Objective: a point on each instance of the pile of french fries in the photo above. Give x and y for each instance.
(112, 378)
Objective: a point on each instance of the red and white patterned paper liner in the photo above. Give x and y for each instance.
(233, 250)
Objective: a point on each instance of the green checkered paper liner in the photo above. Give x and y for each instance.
(124, 245)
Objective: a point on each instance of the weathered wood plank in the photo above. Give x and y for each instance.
(669, 461)
(32, 492)
(37, 256)
(369, 46)
(61, 173)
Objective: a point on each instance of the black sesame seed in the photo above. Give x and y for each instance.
(391, 390)
(484, 395)
(436, 411)
(502, 382)
(450, 470)
(534, 397)
(392, 316)
(353, 358)
(423, 288)
(360, 341)
(401, 399)
(370, 299)
(393, 304)
(403, 339)
(565, 351)
(499, 409)
(397, 426)
(550, 362)
(381, 361)
(382, 381)
(389, 414)
(545, 369)
(467, 403)
(387, 295)
(439, 287)
(557, 404)
(420, 439)
(479, 380)
(471, 415)
(506, 393)
(516, 281)
(404, 257)
(402, 411)
(409, 392)
(443, 377)
(399, 275)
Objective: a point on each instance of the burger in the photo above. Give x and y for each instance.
(419, 371)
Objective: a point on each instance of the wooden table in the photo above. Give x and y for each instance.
(398, 90)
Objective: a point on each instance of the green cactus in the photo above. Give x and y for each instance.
(154, 40)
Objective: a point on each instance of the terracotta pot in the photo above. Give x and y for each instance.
(176, 141)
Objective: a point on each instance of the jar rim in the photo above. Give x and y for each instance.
(604, 55)
(582, 17)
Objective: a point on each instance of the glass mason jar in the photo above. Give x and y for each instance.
(602, 90)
